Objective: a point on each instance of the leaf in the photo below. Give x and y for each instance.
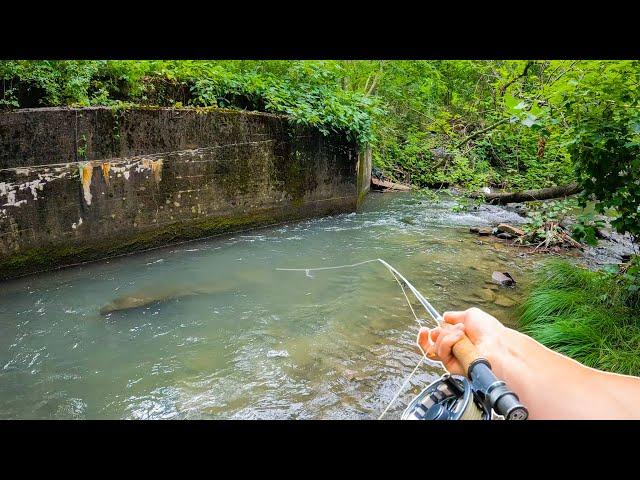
(510, 102)
(535, 109)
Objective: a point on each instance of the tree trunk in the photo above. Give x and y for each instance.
(529, 195)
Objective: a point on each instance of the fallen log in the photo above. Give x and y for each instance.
(567, 238)
(529, 195)
(510, 229)
(377, 184)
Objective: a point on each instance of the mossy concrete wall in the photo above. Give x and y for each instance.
(364, 173)
(87, 184)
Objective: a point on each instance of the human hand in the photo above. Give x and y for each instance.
(482, 329)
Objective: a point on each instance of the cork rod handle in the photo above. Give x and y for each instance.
(466, 353)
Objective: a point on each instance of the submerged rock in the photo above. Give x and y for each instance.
(518, 208)
(127, 302)
(503, 301)
(149, 296)
(277, 354)
(350, 374)
(487, 294)
(504, 236)
(491, 286)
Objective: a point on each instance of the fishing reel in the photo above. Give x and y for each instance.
(454, 397)
(451, 397)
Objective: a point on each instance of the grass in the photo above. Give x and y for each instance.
(585, 315)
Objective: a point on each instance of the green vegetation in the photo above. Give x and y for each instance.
(603, 119)
(589, 316)
(309, 92)
(549, 223)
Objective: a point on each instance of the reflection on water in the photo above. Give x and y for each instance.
(219, 333)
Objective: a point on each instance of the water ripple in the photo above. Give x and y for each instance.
(225, 335)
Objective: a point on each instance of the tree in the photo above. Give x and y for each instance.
(601, 103)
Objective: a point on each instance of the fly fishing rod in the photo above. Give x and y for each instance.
(455, 397)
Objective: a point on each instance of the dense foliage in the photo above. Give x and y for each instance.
(309, 92)
(602, 111)
(589, 316)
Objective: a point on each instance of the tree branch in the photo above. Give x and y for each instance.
(374, 84)
(480, 132)
(504, 87)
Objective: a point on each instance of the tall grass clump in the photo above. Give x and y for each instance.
(586, 315)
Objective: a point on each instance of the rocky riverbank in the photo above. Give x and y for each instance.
(612, 247)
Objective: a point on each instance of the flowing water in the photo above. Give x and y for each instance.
(214, 331)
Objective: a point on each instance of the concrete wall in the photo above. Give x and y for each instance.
(87, 184)
(364, 173)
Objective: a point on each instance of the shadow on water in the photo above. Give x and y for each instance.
(210, 329)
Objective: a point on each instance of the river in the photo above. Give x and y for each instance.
(231, 337)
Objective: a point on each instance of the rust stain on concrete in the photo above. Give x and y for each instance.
(155, 166)
(106, 166)
(86, 172)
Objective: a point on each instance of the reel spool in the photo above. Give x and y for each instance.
(451, 397)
